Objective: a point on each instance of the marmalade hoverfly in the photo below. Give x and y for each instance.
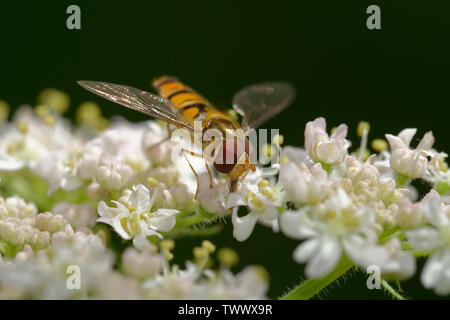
(180, 106)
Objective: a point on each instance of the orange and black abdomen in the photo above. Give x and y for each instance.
(191, 105)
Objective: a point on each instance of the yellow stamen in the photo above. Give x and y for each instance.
(256, 202)
(267, 150)
(22, 127)
(379, 145)
(249, 195)
(262, 272)
(209, 246)
(168, 254)
(200, 253)
(228, 257)
(278, 139)
(152, 182)
(41, 110)
(268, 193)
(263, 183)
(333, 130)
(167, 244)
(54, 99)
(49, 119)
(362, 126)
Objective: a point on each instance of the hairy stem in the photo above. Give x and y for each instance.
(309, 288)
(392, 291)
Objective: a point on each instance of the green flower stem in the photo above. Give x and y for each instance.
(309, 288)
(185, 220)
(391, 290)
(194, 232)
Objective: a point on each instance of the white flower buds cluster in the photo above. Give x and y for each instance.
(17, 224)
(16, 234)
(113, 175)
(49, 222)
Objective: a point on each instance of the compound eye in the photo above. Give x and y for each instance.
(227, 157)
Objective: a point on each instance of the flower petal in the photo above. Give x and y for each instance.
(395, 142)
(292, 225)
(162, 223)
(433, 269)
(427, 141)
(433, 210)
(325, 259)
(407, 134)
(270, 214)
(243, 226)
(305, 250)
(140, 198)
(424, 238)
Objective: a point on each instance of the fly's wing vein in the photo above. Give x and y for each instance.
(142, 101)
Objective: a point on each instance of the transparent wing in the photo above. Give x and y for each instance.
(142, 101)
(259, 102)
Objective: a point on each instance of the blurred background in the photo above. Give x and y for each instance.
(396, 77)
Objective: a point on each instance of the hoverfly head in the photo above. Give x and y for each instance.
(232, 153)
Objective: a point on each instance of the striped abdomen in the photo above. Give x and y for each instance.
(191, 105)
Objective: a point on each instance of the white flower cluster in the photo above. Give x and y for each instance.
(357, 206)
(361, 205)
(86, 176)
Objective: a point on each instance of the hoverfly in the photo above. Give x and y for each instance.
(180, 106)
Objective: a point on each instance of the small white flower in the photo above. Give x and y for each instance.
(263, 201)
(321, 147)
(304, 185)
(135, 220)
(412, 163)
(329, 227)
(28, 139)
(435, 239)
(18, 149)
(393, 262)
(58, 168)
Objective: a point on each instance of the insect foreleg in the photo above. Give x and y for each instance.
(199, 155)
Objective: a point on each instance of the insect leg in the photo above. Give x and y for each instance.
(192, 168)
(169, 133)
(210, 176)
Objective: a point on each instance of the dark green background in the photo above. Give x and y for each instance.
(396, 77)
